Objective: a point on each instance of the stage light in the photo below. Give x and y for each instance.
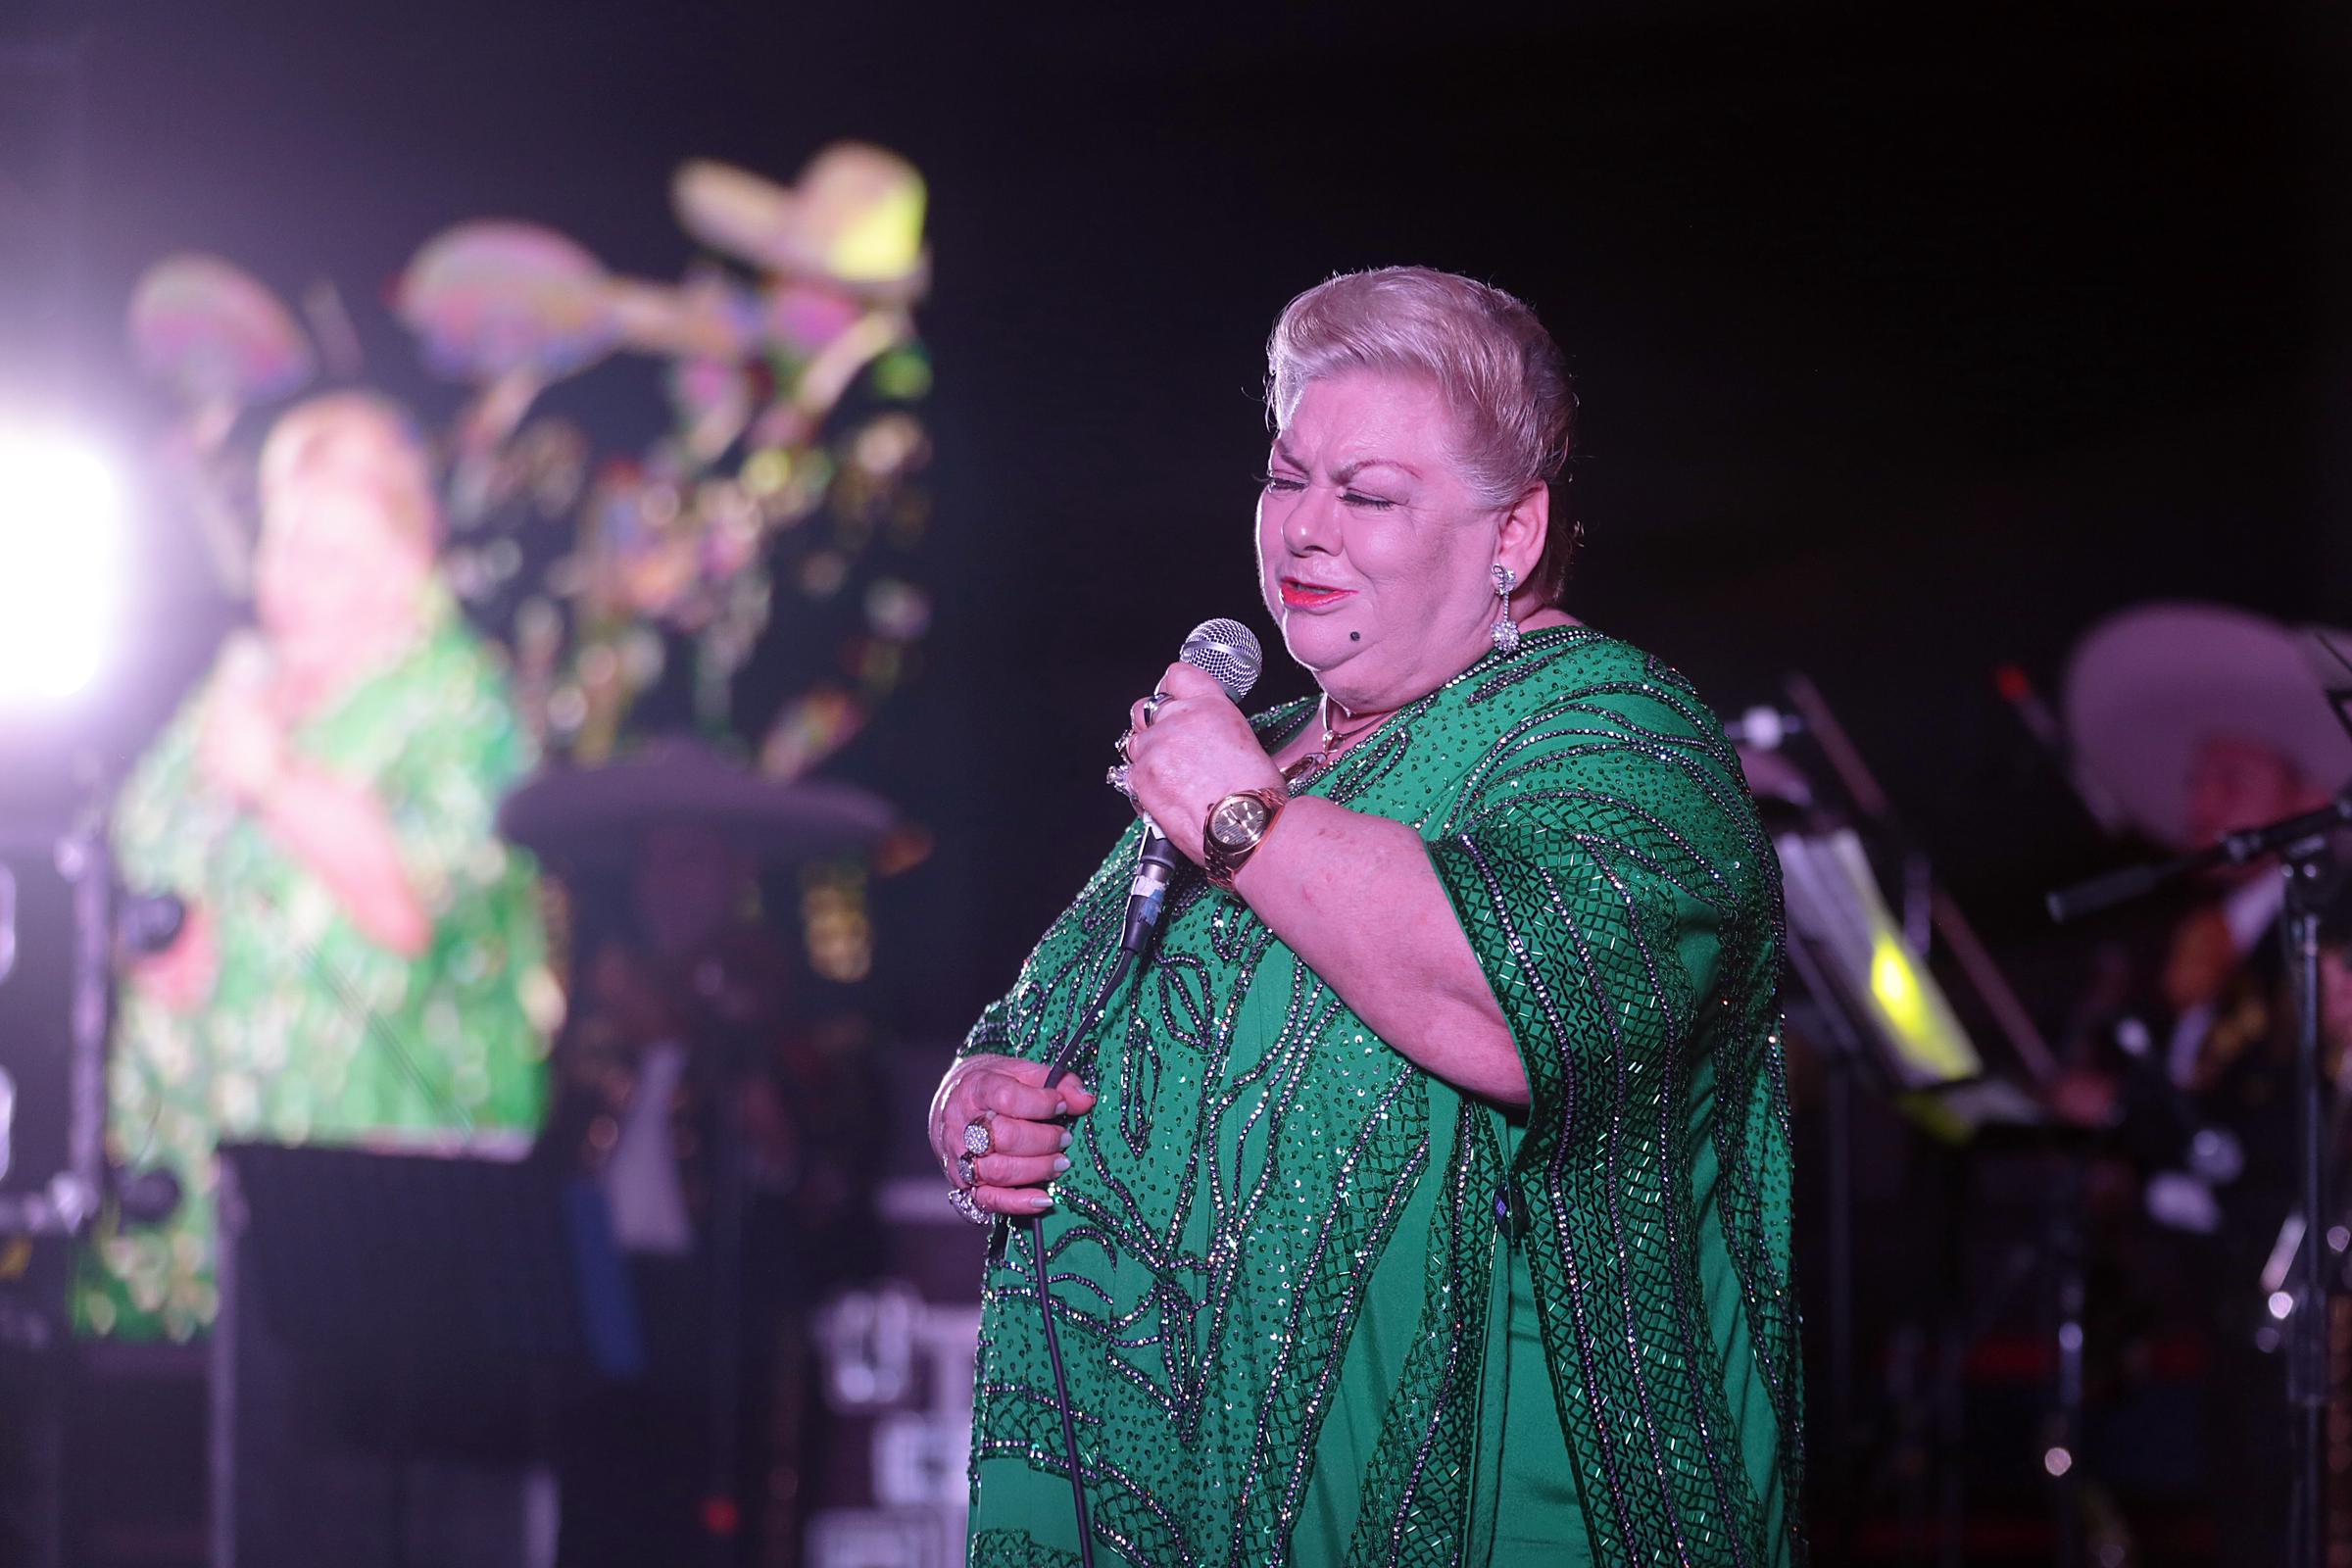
(60, 562)
(1916, 1016)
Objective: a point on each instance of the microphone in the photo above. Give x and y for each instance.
(146, 923)
(1766, 729)
(1227, 652)
(146, 1195)
(2016, 688)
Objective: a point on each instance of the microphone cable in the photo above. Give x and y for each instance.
(1056, 1070)
(1228, 652)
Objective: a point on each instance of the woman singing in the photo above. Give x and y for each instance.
(361, 959)
(1427, 1198)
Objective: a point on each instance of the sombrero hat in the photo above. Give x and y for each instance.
(2150, 685)
(589, 816)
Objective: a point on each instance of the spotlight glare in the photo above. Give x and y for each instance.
(60, 564)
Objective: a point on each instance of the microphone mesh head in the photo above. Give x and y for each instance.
(1228, 652)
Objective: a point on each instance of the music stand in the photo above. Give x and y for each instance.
(396, 1333)
(1852, 955)
(1882, 1013)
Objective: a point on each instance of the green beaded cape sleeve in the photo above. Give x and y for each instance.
(1607, 864)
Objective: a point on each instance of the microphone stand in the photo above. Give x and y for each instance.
(1148, 899)
(70, 1200)
(1226, 652)
(2306, 859)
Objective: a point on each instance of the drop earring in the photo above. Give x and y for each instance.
(1505, 630)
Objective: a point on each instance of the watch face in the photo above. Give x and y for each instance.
(1238, 822)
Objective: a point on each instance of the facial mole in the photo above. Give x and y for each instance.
(1356, 636)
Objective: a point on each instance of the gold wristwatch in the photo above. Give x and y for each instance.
(1236, 826)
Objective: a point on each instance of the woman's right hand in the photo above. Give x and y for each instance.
(1026, 1136)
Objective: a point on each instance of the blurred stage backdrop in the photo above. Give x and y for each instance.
(837, 417)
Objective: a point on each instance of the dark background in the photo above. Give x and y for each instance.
(1907, 344)
(1910, 340)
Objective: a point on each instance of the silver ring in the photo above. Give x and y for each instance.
(977, 1138)
(962, 1202)
(965, 1174)
(1151, 707)
(1126, 739)
(1116, 778)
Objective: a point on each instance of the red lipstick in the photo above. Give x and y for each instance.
(1297, 595)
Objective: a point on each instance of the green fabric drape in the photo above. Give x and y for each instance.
(1292, 1267)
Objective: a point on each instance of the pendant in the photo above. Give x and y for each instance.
(1305, 771)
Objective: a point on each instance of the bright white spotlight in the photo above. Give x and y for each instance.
(61, 563)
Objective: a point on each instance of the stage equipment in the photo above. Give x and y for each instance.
(1765, 728)
(52, 1172)
(1885, 1020)
(69, 1199)
(1835, 908)
(2329, 656)
(1228, 652)
(2303, 849)
(61, 565)
(1928, 911)
(405, 1325)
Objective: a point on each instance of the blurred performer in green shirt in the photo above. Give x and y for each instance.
(362, 960)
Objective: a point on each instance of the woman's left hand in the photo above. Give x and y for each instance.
(1197, 750)
(1006, 1095)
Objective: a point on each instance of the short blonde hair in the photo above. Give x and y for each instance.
(361, 439)
(1497, 370)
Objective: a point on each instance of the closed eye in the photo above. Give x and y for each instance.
(1356, 498)
(1281, 484)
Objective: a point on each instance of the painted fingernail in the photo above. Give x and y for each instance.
(1041, 1202)
(1066, 1136)
(1061, 1107)
(1061, 1162)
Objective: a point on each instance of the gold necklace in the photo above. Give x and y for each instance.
(1306, 769)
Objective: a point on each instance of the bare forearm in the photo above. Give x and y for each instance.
(1357, 899)
(341, 831)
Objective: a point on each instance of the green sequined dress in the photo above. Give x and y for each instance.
(284, 1049)
(1320, 1308)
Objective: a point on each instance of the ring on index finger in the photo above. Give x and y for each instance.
(1151, 707)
